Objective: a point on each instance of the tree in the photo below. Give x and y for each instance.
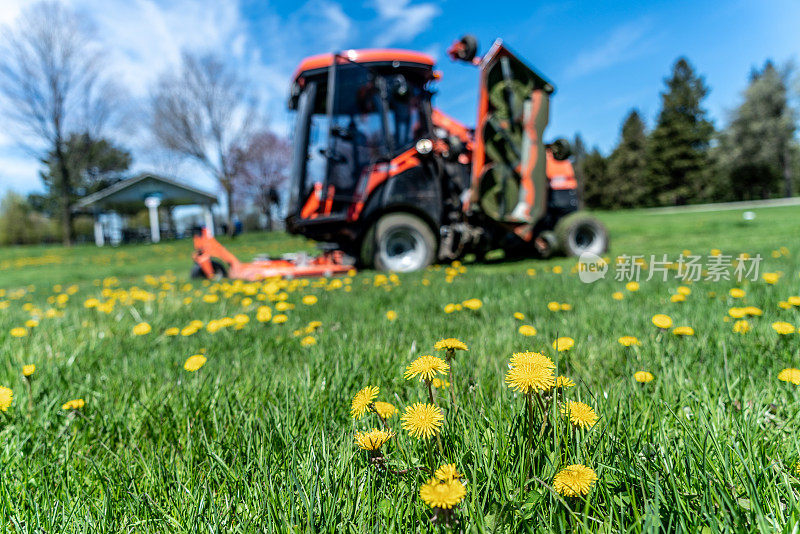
(678, 145)
(203, 112)
(51, 86)
(756, 148)
(260, 169)
(578, 155)
(593, 169)
(628, 179)
(93, 164)
(20, 224)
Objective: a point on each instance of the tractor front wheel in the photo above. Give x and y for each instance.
(403, 243)
(219, 270)
(579, 233)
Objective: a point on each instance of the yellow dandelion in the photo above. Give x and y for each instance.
(771, 278)
(736, 292)
(553, 306)
(193, 363)
(563, 343)
(737, 313)
(362, 401)
(280, 318)
(530, 377)
(74, 404)
(783, 328)
(580, 414)
(565, 306)
(683, 290)
(28, 370)
(372, 440)
(662, 321)
(426, 367)
(558, 269)
(141, 329)
(784, 305)
(19, 331)
(439, 383)
(794, 300)
(391, 315)
(790, 375)
(632, 286)
(519, 316)
(450, 343)
(385, 409)
(617, 295)
(422, 420)
(754, 311)
(472, 304)
(6, 398)
(677, 297)
(574, 480)
(628, 341)
(450, 308)
(742, 326)
(31, 323)
(683, 331)
(174, 331)
(527, 330)
(308, 341)
(643, 377)
(531, 358)
(447, 472)
(442, 493)
(564, 382)
(309, 300)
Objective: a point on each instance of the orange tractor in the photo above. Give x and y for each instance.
(394, 183)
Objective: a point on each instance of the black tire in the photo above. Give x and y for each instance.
(403, 243)
(220, 271)
(578, 233)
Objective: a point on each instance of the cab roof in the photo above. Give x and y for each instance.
(313, 64)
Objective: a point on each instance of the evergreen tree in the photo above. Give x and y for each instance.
(756, 149)
(628, 178)
(679, 144)
(593, 170)
(578, 156)
(92, 164)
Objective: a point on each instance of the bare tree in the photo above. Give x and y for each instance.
(51, 87)
(203, 112)
(259, 170)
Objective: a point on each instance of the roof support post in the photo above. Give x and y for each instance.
(209, 219)
(152, 203)
(99, 238)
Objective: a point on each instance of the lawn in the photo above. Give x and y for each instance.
(261, 438)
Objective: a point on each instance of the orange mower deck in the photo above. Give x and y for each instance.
(206, 248)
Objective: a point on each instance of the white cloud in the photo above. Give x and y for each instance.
(401, 21)
(625, 42)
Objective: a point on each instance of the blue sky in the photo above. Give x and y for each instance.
(604, 57)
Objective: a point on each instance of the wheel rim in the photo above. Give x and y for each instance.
(584, 238)
(403, 249)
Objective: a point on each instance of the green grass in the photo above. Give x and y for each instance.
(260, 439)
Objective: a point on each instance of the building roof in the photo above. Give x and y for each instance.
(130, 194)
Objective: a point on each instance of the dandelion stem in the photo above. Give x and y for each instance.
(529, 406)
(450, 354)
(372, 407)
(30, 394)
(430, 391)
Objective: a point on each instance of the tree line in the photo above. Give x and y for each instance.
(683, 159)
(58, 96)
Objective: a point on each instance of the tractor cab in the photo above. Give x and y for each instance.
(355, 112)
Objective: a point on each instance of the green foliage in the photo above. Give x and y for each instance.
(92, 164)
(755, 150)
(21, 225)
(593, 170)
(678, 145)
(627, 175)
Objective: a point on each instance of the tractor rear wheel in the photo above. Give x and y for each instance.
(403, 243)
(219, 270)
(578, 233)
